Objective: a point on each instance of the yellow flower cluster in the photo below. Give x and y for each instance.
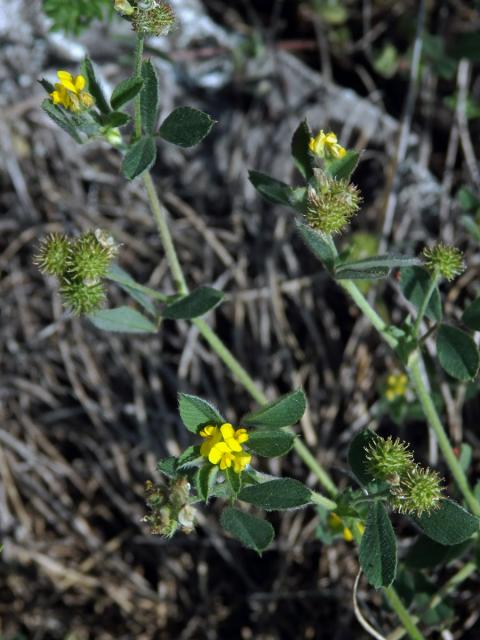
(223, 446)
(396, 386)
(69, 92)
(337, 525)
(325, 145)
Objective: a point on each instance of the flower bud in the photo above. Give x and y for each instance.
(419, 492)
(444, 260)
(153, 17)
(82, 297)
(53, 254)
(123, 7)
(388, 459)
(331, 203)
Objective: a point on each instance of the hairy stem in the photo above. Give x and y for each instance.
(415, 370)
(138, 74)
(404, 616)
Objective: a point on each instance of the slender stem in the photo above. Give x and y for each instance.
(160, 215)
(415, 370)
(461, 575)
(424, 305)
(405, 618)
(249, 384)
(364, 306)
(322, 501)
(138, 74)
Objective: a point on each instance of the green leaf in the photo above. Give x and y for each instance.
(320, 244)
(94, 87)
(125, 91)
(271, 189)
(205, 479)
(362, 274)
(189, 457)
(186, 127)
(234, 481)
(450, 524)
(122, 319)
(457, 353)
(254, 533)
(139, 157)
(284, 412)
(168, 466)
(378, 548)
(115, 119)
(149, 97)
(389, 261)
(270, 444)
(300, 151)
(414, 283)
(342, 168)
(196, 412)
(357, 456)
(284, 493)
(471, 315)
(425, 553)
(193, 305)
(128, 284)
(61, 119)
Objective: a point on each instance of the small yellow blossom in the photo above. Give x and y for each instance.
(223, 447)
(337, 526)
(325, 145)
(69, 92)
(396, 386)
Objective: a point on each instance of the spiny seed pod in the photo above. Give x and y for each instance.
(419, 492)
(169, 508)
(153, 17)
(444, 260)
(89, 259)
(82, 297)
(53, 254)
(331, 203)
(388, 459)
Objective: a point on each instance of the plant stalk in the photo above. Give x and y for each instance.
(404, 616)
(415, 370)
(424, 305)
(138, 74)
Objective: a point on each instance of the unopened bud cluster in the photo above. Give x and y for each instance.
(331, 203)
(413, 489)
(80, 265)
(444, 260)
(148, 17)
(169, 508)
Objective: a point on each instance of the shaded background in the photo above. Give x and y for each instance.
(84, 415)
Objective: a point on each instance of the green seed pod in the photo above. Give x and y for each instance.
(53, 254)
(82, 297)
(388, 459)
(419, 492)
(331, 203)
(89, 259)
(153, 17)
(444, 260)
(169, 508)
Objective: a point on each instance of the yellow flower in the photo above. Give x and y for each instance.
(337, 526)
(325, 145)
(396, 386)
(223, 446)
(69, 92)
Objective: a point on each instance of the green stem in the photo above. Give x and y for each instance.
(415, 370)
(404, 616)
(461, 575)
(364, 306)
(317, 498)
(249, 384)
(424, 305)
(160, 215)
(138, 74)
